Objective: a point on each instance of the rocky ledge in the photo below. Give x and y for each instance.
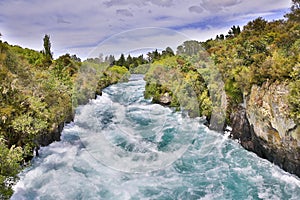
(264, 126)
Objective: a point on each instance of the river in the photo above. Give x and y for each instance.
(121, 146)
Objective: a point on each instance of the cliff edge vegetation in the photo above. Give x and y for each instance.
(38, 94)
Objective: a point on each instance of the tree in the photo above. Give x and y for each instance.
(121, 61)
(66, 63)
(141, 59)
(47, 46)
(233, 32)
(47, 51)
(111, 60)
(150, 56)
(156, 55)
(180, 50)
(75, 58)
(189, 48)
(128, 61)
(167, 52)
(222, 37)
(255, 27)
(295, 11)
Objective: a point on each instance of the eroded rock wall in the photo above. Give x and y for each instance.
(264, 126)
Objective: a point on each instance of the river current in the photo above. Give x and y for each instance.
(121, 146)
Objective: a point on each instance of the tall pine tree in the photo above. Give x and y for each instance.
(47, 51)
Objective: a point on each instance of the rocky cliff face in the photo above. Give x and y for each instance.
(50, 136)
(264, 126)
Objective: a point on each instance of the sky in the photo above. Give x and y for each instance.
(90, 27)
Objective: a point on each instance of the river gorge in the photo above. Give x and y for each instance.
(121, 146)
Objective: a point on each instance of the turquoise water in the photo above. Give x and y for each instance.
(121, 146)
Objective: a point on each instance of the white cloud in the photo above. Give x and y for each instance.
(218, 5)
(78, 26)
(124, 12)
(205, 34)
(196, 9)
(164, 3)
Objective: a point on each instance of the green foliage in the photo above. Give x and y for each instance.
(294, 99)
(112, 75)
(32, 100)
(38, 93)
(10, 159)
(233, 91)
(189, 48)
(121, 61)
(47, 51)
(233, 32)
(35, 100)
(175, 77)
(294, 15)
(262, 51)
(66, 65)
(167, 52)
(86, 81)
(254, 28)
(131, 63)
(47, 46)
(118, 70)
(33, 57)
(140, 69)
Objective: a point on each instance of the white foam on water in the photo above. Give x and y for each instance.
(107, 153)
(286, 177)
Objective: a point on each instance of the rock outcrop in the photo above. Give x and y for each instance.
(50, 136)
(165, 99)
(264, 126)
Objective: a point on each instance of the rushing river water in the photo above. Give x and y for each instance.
(121, 146)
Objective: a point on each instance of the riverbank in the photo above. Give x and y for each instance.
(121, 146)
(38, 95)
(248, 80)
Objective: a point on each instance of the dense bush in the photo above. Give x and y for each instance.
(262, 51)
(38, 94)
